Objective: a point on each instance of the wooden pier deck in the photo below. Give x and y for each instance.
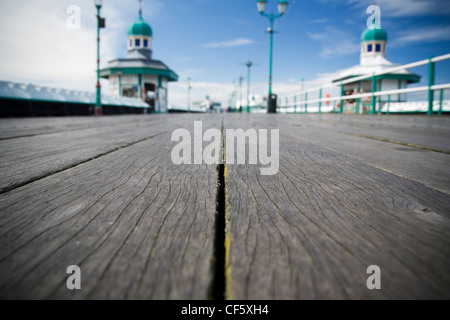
(103, 194)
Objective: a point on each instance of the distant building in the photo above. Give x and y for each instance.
(138, 75)
(207, 105)
(373, 59)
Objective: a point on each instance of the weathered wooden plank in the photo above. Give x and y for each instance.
(425, 166)
(29, 158)
(429, 132)
(138, 226)
(312, 230)
(28, 127)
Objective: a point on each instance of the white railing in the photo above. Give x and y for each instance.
(430, 88)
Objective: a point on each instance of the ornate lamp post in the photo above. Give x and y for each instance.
(240, 92)
(189, 93)
(282, 7)
(249, 66)
(100, 24)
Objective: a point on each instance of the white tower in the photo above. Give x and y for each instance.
(373, 46)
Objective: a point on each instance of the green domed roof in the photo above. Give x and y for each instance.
(374, 35)
(140, 28)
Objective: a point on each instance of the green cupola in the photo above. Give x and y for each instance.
(374, 35)
(140, 37)
(140, 28)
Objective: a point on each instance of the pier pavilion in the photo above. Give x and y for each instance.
(373, 59)
(138, 75)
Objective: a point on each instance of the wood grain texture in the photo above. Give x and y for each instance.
(28, 127)
(103, 194)
(138, 226)
(26, 159)
(431, 132)
(428, 167)
(311, 231)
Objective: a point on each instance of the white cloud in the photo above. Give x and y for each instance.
(39, 48)
(230, 43)
(407, 8)
(317, 36)
(244, 22)
(193, 72)
(423, 35)
(222, 92)
(335, 42)
(401, 8)
(318, 21)
(295, 87)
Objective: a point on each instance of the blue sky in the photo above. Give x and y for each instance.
(209, 39)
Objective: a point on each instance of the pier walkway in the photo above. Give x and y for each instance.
(103, 194)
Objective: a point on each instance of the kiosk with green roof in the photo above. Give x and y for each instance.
(138, 75)
(373, 59)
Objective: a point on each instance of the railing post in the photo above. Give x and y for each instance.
(431, 78)
(379, 104)
(306, 102)
(279, 104)
(389, 104)
(358, 101)
(295, 103)
(380, 89)
(286, 105)
(320, 101)
(441, 100)
(374, 89)
(341, 105)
